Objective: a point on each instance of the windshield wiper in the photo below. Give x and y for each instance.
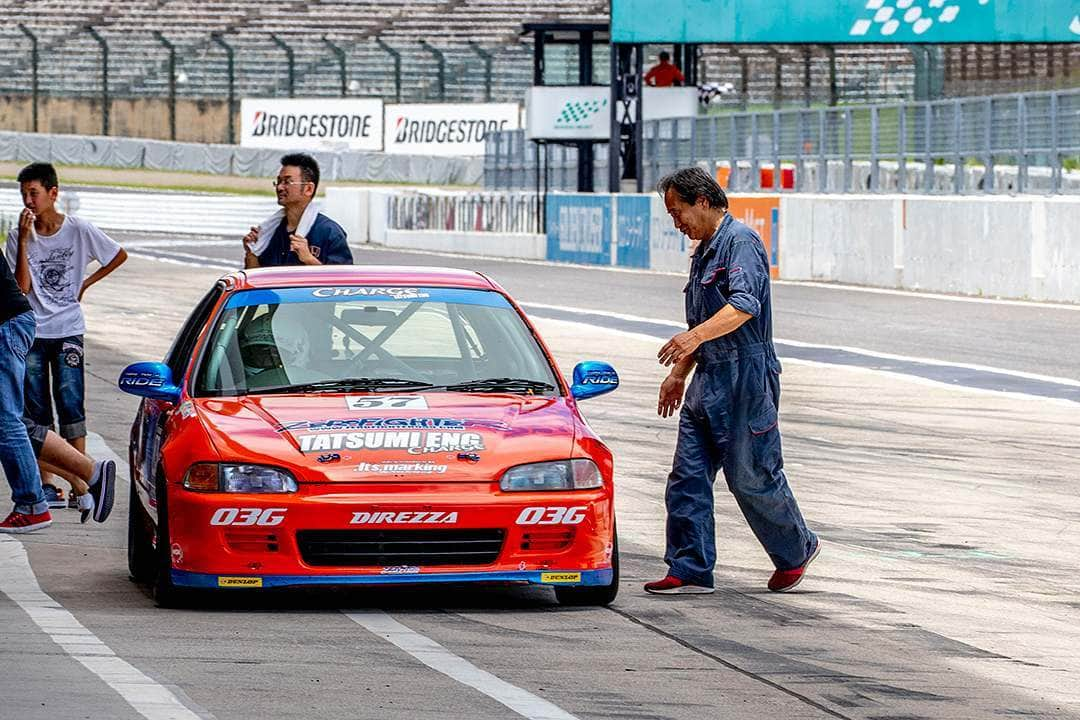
(500, 384)
(345, 385)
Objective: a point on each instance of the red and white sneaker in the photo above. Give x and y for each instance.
(672, 585)
(785, 580)
(18, 522)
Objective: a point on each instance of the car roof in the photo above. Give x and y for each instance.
(389, 275)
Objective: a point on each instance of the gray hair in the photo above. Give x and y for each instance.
(691, 183)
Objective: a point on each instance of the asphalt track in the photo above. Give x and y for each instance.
(946, 588)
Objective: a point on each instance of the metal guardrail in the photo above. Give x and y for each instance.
(1026, 142)
(1022, 131)
(515, 212)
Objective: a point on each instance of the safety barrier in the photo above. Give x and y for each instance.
(117, 152)
(468, 212)
(1018, 247)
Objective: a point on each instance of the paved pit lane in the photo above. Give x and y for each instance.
(946, 587)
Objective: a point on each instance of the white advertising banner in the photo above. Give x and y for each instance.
(312, 123)
(582, 113)
(670, 102)
(446, 129)
(568, 113)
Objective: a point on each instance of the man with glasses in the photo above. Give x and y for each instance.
(297, 234)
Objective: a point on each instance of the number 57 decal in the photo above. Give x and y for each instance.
(393, 402)
(248, 516)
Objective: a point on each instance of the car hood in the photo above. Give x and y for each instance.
(434, 437)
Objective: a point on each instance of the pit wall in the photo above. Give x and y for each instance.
(1025, 247)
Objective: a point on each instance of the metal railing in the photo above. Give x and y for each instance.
(1026, 142)
(516, 212)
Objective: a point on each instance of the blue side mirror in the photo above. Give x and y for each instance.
(150, 380)
(592, 378)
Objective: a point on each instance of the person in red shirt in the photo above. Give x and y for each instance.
(663, 73)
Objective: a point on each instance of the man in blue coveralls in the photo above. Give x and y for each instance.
(729, 417)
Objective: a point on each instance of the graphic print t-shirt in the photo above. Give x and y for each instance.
(57, 270)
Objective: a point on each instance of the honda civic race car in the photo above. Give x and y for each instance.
(352, 425)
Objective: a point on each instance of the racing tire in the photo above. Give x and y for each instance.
(166, 594)
(594, 595)
(140, 551)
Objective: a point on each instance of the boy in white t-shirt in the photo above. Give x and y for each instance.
(57, 249)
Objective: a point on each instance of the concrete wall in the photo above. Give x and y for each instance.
(196, 120)
(1018, 247)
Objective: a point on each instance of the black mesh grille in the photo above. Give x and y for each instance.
(383, 548)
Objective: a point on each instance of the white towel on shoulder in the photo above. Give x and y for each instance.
(268, 226)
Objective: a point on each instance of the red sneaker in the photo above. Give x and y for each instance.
(672, 585)
(784, 580)
(18, 522)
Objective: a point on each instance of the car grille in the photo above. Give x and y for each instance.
(387, 548)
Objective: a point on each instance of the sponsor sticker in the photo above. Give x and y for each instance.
(560, 577)
(390, 423)
(551, 515)
(412, 442)
(384, 293)
(187, 409)
(401, 468)
(249, 582)
(386, 402)
(404, 518)
(248, 516)
(400, 570)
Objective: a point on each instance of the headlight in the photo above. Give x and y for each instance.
(215, 477)
(579, 474)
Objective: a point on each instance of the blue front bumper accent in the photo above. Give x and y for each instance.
(183, 578)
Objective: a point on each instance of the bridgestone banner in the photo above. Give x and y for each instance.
(446, 129)
(312, 124)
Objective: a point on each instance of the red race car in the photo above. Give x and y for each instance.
(367, 425)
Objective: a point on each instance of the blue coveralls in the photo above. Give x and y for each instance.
(729, 416)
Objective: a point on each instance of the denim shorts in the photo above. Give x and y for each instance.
(54, 375)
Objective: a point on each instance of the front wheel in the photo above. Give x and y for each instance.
(140, 550)
(166, 594)
(594, 595)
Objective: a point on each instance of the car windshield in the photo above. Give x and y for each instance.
(340, 339)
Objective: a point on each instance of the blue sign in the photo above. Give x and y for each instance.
(845, 21)
(633, 217)
(579, 229)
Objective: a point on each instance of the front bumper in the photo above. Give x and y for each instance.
(233, 540)
(562, 578)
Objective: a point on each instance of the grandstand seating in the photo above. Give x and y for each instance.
(71, 60)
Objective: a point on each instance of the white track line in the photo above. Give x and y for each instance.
(150, 699)
(853, 350)
(918, 294)
(438, 658)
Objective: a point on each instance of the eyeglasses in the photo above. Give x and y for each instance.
(289, 181)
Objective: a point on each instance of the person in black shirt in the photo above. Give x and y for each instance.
(17, 327)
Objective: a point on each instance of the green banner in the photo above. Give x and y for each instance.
(845, 21)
